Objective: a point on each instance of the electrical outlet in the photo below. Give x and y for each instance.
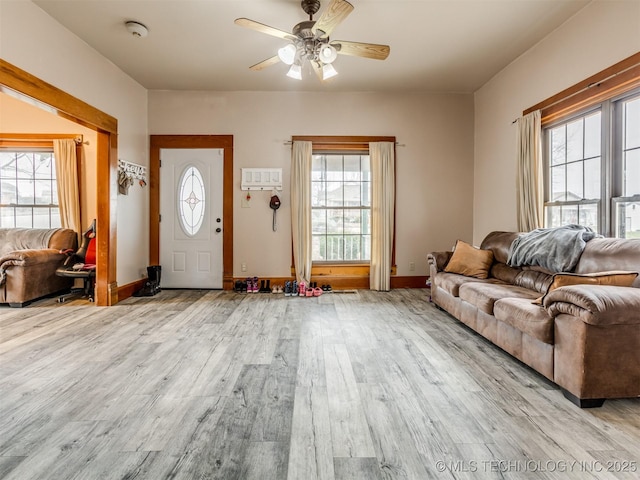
(243, 267)
(412, 267)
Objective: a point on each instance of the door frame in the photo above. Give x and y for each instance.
(71, 108)
(224, 142)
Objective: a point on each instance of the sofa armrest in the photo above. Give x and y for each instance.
(32, 257)
(438, 260)
(26, 258)
(596, 304)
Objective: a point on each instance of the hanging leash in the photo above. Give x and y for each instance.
(275, 205)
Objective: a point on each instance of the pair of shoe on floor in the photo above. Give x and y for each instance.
(295, 289)
(324, 288)
(250, 285)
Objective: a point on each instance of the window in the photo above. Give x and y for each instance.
(593, 168)
(627, 205)
(574, 172)
(191, 202)
(28, 189)
(341, 207)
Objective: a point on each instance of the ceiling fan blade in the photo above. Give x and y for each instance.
(365, 50)
(262, 28)
(265, 63)
(333, 15)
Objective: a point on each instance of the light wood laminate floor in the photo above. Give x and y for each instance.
(201, 385)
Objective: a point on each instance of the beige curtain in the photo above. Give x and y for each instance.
(529, 179)
(301, 156)
(382, 210)
(67, 176)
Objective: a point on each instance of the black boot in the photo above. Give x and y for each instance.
(152, 285)
(155, 272)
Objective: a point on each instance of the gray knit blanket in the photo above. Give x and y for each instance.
(556, 249)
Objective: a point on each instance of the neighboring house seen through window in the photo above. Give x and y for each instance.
(28, 189)
(592, 173)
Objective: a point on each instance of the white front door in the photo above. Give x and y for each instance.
(191, 182)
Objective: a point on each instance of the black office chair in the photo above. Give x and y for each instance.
(81, 264)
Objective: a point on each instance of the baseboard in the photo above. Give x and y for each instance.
(126, 291)
(344, 282)
(409, 282)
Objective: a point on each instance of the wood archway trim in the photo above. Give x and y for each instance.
(71, 108)
(193, 141)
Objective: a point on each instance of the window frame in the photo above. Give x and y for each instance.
(343, 207)
(344, 144)
(605, 89)
(32, 146)
(611, 161)
(601, 202)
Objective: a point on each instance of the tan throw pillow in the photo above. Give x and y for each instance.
(615, 278)
(470, 261)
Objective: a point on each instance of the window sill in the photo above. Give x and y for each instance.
(342, 269)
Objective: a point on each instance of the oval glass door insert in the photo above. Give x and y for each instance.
(191, 200)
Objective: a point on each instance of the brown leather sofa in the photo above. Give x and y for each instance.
(585, 338)
(28, 262)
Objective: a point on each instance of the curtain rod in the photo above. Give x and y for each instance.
(39, 137)
(347, 143)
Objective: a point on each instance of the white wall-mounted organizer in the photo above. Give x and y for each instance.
(127, 173)
(261, 179)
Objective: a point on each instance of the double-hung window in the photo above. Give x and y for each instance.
(341, 207)
(28, 189)
(592, 165)
(626, 199)
(341, 213)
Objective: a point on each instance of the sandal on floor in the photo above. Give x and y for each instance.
(317, 292)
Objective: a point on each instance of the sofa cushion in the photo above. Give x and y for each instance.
(615, 278)
(533, 280)
(470, 261)
(504, 272)
(521, 314)
(484, 295)
(602, 254)
(450, 282)
(500, 244)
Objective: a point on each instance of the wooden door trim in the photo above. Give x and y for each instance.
(71, 108)
(193, 141)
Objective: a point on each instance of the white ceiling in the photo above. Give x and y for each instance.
(436, 45)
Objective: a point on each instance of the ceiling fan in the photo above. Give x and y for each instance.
(309, 40)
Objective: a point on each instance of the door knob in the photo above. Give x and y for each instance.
(218, 230)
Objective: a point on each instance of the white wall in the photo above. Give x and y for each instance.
(17, 116)
(598, 36)
(434, 169)
(33, 41)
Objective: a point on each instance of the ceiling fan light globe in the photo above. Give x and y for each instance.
(287, 54)
(295, 72)
(328, 53)
(328, 71)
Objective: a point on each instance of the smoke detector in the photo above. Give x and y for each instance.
(136, 29)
